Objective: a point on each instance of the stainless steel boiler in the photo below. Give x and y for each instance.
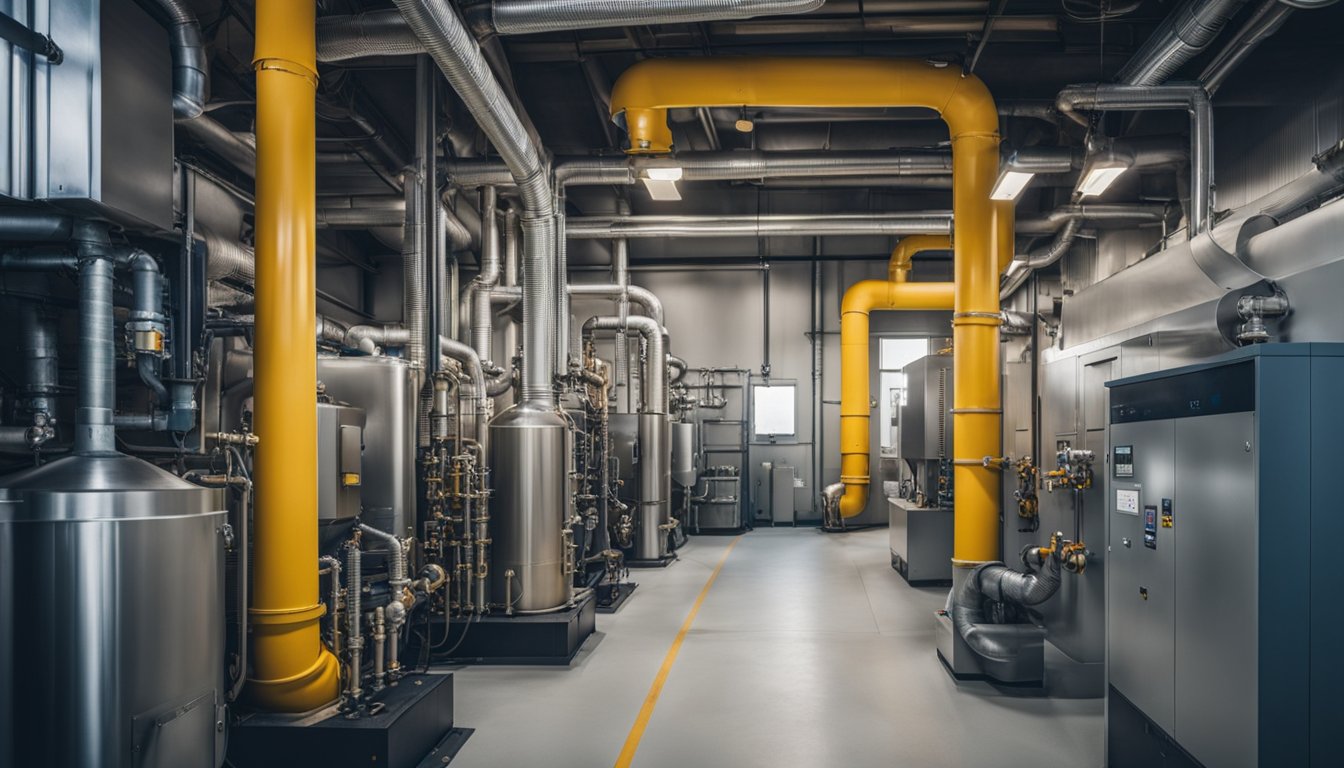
(111, 617)
(685, 456)
(387, 388)
(530, 451)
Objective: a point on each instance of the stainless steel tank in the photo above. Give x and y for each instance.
(530, 453)
(388, 389)
(685, 462)
(655, 486)
(111, 617)
(340, 475)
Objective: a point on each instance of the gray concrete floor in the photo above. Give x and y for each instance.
(809, 650)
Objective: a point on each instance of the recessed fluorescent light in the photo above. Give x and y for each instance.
(1099, 178)
(1010, 185)
(662, 182)
(664, 173)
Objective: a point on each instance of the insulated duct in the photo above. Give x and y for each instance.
(386, 33)
(525, 17)
(189, 65)
(1182, 35)
(438, 27)
(655, 370)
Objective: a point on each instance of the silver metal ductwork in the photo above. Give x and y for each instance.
(1190, 97)
(386, 33)
(363, 35)
(189, 65)
(525, 17)
(1187, 31)
(766, 225)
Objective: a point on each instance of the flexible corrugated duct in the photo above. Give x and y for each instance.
(385, 33)
(189, 66)
(438, 27)
(1182, 35)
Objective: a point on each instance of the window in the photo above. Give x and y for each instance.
(774, 410)
(893, 355)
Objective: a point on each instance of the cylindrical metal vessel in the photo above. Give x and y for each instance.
(685, 464)
(111, 616)
(529, 453)
(388, 389)
(655, 486)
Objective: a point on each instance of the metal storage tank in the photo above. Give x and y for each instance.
(111, 616)
(685, 461)
(530, 451)
(388, 389)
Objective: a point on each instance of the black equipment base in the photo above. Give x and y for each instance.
(622, 591)
(661, 562)
(415, 721)
(534, 639)
(1133, 739)
(899, 565)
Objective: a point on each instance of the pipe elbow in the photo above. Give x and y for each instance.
(970, 109)
(855, 499)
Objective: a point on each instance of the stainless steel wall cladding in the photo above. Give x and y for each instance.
(655, 486)
(685, 462)
(95, 132)
(529, 450)
(111, 617)
(387, 389)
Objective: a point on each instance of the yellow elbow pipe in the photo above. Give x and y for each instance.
(860, 299)
(291, 669)
(642, 96)
(902, 257)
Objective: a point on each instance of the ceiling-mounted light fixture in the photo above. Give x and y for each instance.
(1011, 183)
(1103, 166)
(744, 123)
(662, 182)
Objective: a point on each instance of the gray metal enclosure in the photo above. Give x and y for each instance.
(1221, 512)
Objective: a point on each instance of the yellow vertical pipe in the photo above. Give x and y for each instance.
(898, 268)
(860, 299)
(292, 671)
(976, 408)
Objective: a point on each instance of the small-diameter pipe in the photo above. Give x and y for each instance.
(471, 363)
(354, 586)
(655, 369)
(379, 642)
(333, 566)
(525, 17)
(369, 339)
(94, 431)
(764, 225)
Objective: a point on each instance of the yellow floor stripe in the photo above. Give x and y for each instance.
(651, 701)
